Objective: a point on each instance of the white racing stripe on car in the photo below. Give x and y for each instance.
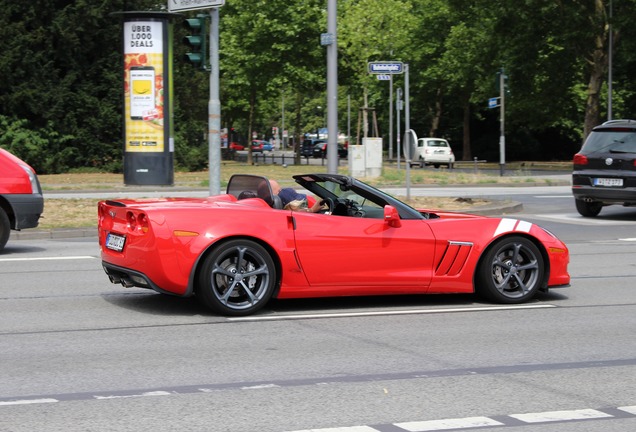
(387, 313)
(83, 257)
(507, 225)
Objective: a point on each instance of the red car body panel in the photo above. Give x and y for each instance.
(318, 255)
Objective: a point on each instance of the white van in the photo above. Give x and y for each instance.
(433, 151)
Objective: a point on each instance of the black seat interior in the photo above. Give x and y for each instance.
(244, 186)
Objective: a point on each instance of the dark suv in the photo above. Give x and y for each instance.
(605, 168)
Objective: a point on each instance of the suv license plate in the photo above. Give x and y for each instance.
(611, 182)
(115, 242)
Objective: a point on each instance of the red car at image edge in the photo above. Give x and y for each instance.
(237, 250)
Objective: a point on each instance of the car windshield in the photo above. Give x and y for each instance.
(364, 196)
(611, 140)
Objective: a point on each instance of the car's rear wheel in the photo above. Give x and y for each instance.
(588, 209)
(5, 229)
(237, 278)
(511, 271)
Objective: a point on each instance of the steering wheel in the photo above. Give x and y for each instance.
(330, 205)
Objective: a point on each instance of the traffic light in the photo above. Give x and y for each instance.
(197, 41)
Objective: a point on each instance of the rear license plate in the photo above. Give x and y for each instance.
(115, 242)
(611, 182)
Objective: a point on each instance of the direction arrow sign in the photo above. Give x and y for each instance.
(386, 67)
(186, 5)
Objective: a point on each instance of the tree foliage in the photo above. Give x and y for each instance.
(61, 68)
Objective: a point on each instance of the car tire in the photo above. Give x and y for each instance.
(5, 229)
(511, 271)
(588, 209)
(219, 288)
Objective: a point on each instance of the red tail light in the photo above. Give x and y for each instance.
(131, 220)
(137, 222)
(143, 222)
(580, 159)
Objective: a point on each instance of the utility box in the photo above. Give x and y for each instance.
(366, 160)
(373, 156)
(356, 161)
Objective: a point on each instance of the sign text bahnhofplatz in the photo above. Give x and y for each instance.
(386, 67)
(185, 5)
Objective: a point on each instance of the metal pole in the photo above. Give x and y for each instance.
(282, 128)
(391, 117)
(214, 107)
(609, 72)
(349, 119)
(502, 136)
(398, 107)
(407, 127)
(332, 88)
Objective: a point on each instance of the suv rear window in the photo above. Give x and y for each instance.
(621, 140)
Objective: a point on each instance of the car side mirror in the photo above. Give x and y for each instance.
(391, 216)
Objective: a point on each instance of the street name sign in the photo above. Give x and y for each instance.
(386, 67)
(187, 5)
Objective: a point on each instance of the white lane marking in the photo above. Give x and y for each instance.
(153, 393)
(342, 429)
(633, 239)
(260, 387)
(80, 257)
(387, 313)
(460, 423)
(629, 409)
(28, 401)
(552, 416)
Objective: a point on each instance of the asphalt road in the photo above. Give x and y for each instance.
(81, 354)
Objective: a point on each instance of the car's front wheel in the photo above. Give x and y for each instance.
(5, 229)
(511, 271)
(237, 278)
(588, 209)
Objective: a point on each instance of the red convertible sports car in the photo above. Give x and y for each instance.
(237, 250)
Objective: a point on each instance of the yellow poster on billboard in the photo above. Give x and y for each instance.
(143, 86)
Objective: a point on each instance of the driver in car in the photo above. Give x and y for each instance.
(295, 201)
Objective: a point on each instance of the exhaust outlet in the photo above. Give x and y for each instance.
(127, 283)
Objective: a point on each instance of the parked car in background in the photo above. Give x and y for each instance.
(307, 146)
(604, 171)
(260, 145)
(433, 151)
(21, 201)
(320, 150)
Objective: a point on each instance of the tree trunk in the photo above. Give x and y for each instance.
(598, 62)
(438, 114)
(250, 126)
(299, 137)
(466, 153)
